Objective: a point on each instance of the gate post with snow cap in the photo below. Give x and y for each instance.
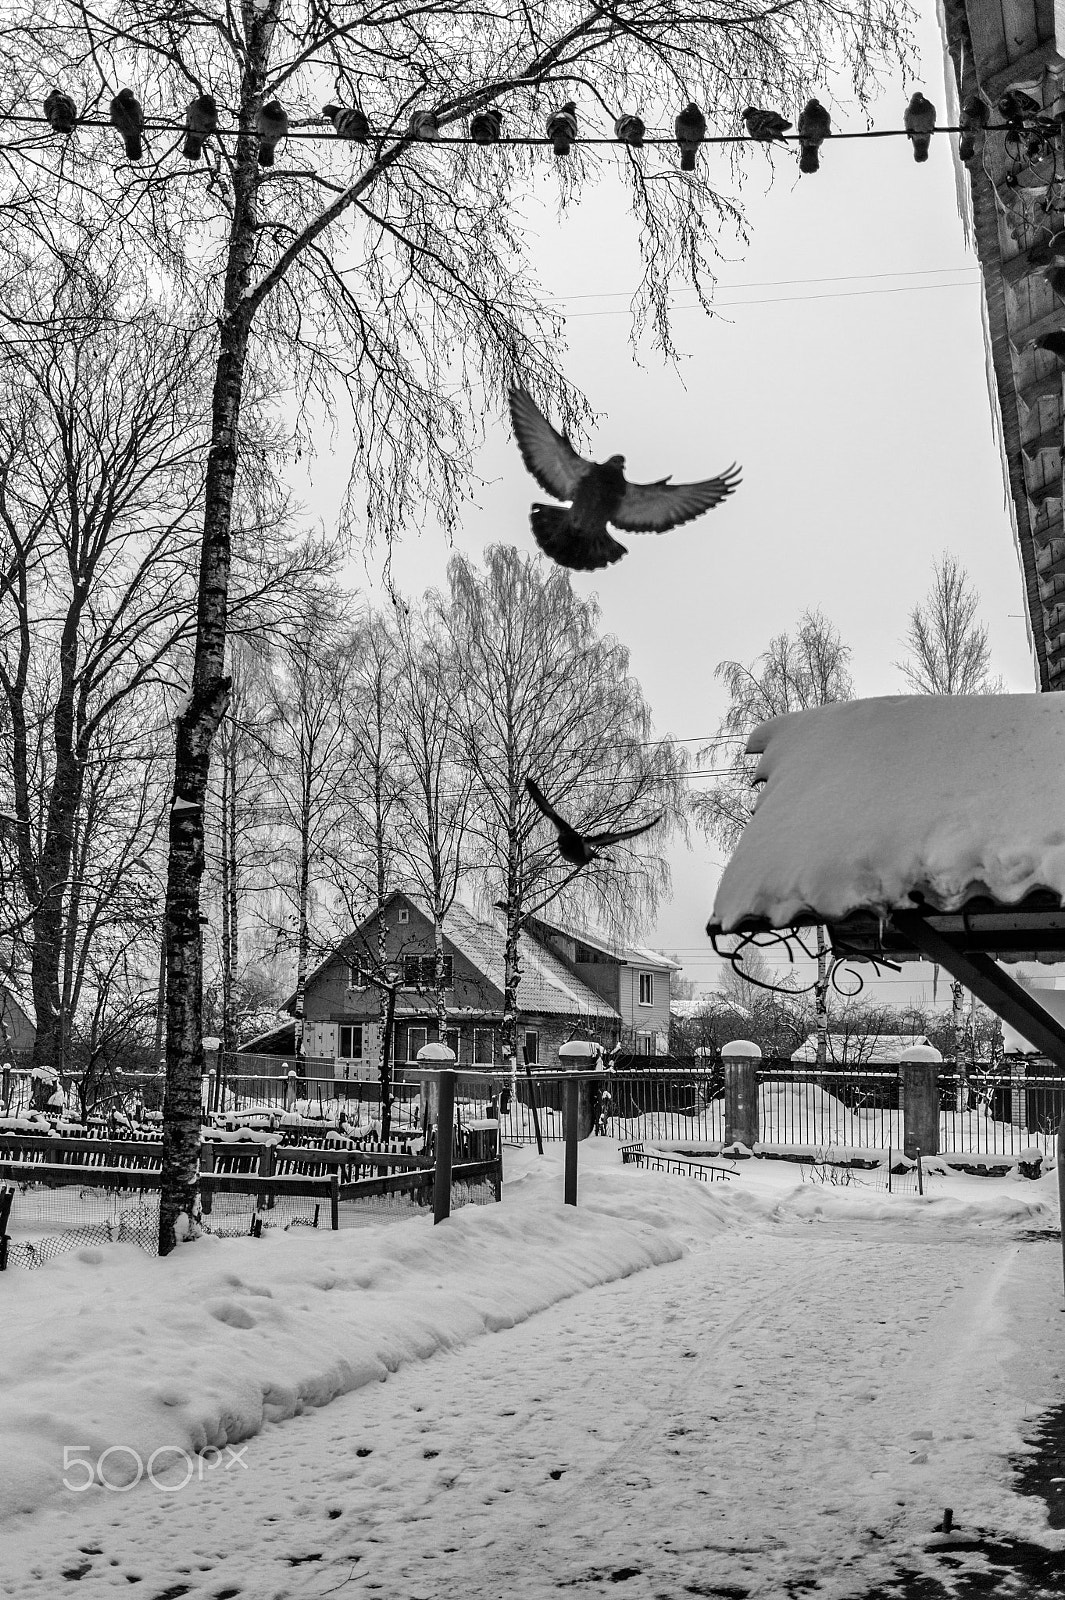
(437, 1062)
(577, 1120)
(740, 1060)
(919, 1099)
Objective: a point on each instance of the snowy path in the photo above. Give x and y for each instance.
(788, 1408)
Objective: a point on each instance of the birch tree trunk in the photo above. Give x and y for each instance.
(821, 999)
(957, 1013)
(199, 721)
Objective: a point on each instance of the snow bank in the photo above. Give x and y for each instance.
(109, 1347)
(864, 801)
(112, 1348)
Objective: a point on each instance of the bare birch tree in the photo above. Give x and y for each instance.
(542, 694)
(950, 653)
(793, 674)
(435, 806)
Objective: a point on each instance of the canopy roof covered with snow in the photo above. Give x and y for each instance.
(947, 804)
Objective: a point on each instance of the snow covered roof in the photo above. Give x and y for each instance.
(546, 984)
(860, 1049)
(875, 805)
(622, 950)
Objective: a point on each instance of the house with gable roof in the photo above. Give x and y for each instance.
(566, 984)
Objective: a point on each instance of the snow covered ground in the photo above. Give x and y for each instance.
(762, 1387)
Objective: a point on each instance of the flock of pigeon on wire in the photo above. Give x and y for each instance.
(485, 127)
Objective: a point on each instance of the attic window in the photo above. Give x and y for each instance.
(419, 972)
(404, 914)
(647, 988)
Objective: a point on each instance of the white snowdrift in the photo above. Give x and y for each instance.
(113, 1348)
(949, 794)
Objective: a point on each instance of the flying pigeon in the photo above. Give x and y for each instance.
(128, 118)
(580, 849)
(348, 122)
(201, 120)
(919, 120)
(1015, 106)
(423, 125)
(1053, 343)
(766, 125)
(974, 118)
(815, 126)
(61, 112)
(630, 130)
(577, 536)
(271, 124)
(561, 128)
(689, 129)
(486, 126)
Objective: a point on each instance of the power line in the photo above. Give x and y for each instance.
(321, 128)
(791, 299)
(781, 283)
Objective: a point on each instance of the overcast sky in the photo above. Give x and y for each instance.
(845, 372)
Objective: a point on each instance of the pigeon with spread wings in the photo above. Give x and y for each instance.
(598, 492)
(580, 849)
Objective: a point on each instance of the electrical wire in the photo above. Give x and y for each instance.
(322, 129)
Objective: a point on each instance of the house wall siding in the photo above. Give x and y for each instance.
(645, 1019)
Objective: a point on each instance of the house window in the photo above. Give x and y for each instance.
(647, 988)
(451, 1039)
(483, 1047)
(532, 1047)
(645, 1044)
(356, 975)
(417, 1038)
(349, 1041)
(419, 972)
(404, 914)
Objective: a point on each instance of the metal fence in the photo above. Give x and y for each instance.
(1003, 1113)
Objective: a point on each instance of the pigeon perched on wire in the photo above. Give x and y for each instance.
(630, 130)
(576, 536)
(580, 849)
(919, 120)
(349, 122)
(487, 126)
(815, 126)
(201, 120)
(561, 128)
(423, 125)
(1016, 107)
(60, 111)
(689, 130)
(973, 119)
(128, 117)
(765, 125)
(271, 124)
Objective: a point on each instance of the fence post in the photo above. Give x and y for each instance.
(919, 1083)
(573, 1102)
(575, 1054)
(438, 1064)
(740, 1060)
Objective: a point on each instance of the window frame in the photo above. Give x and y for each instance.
(412, 1028)
(356, 974)
(477, 1034)
(534, 1054)
(650, 977)
(351, 1028)
(644, 1044)
(423, 968)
